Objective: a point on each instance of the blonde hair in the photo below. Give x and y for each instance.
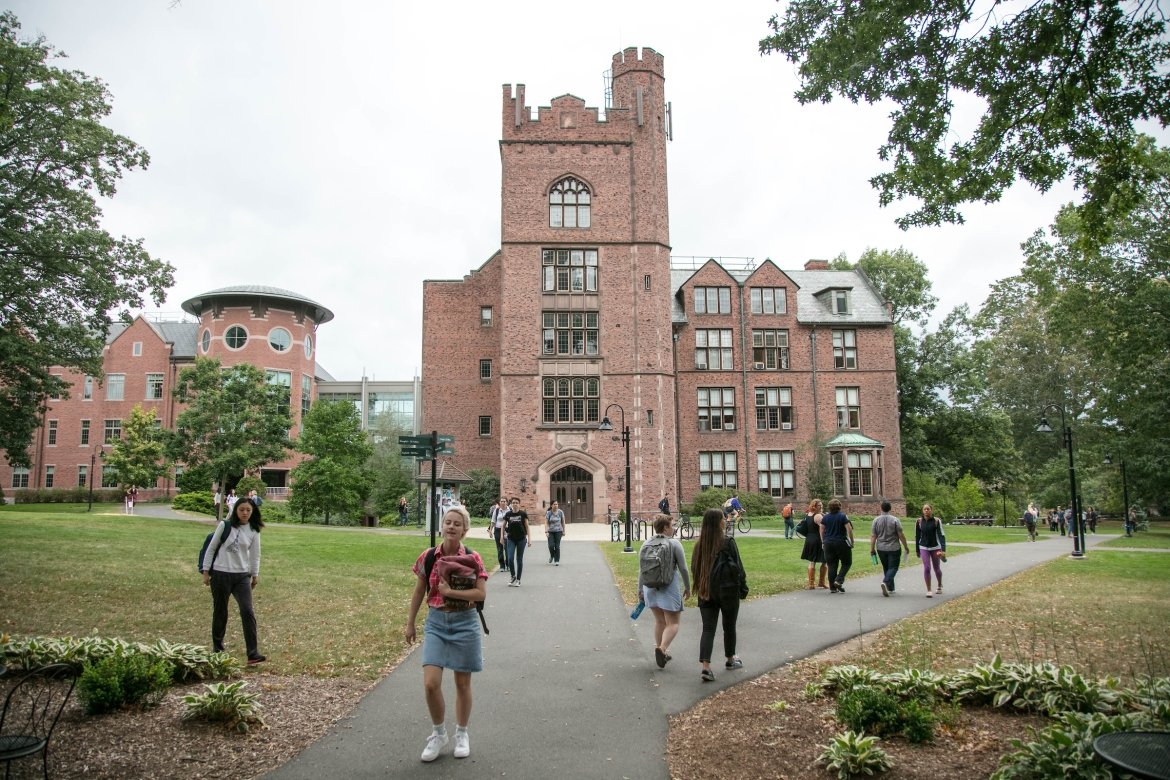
(460, 510)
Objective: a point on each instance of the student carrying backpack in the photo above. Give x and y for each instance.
(656, 563)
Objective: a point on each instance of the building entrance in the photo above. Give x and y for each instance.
(572, 488)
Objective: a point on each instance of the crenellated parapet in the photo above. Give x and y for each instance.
(567, 118)
(628, 60)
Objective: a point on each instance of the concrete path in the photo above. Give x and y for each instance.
(570, 688)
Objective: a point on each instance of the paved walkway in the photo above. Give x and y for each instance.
(570, 688)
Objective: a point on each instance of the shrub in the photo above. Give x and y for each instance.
(854, 754)
(274, 512)
(754, 504)
(189, 662)
(869, 710)
(225, 703)
(73, 495)
(202, 502)
(120, 680)
(915, 721)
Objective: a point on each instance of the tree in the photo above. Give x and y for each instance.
(482, 493)
(60, 274)
(393, 478)
(335, 480)
(1060, 85)
(901, 279)
(139, 457)
(969, 496)
(235, 419)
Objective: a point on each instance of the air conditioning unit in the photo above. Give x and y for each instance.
(785, 426)
(729, 427)
(759, 366)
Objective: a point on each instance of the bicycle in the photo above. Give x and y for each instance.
(684, 529)
(743, 524)
(615, 528)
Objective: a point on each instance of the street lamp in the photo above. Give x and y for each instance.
(1124, 493)
(93, 456)
(606, 425)
(1078, 527)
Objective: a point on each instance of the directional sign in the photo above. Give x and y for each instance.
(404, 441)
(446, 439)
(445, 451)
(421, 452)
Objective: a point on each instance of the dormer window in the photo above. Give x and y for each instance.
(840, 301)
(568, 204)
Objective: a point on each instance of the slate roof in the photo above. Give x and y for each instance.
(813, 304)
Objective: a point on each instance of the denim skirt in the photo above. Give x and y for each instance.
(668, 598)
(452, 640)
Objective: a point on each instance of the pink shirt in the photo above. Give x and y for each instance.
(435, 599)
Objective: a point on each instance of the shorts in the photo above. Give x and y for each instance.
(452, 640)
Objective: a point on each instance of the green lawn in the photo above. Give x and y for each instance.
(1104, 615)
(1156, 538)
(328, 602)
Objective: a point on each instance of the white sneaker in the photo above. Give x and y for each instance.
(435, 743)
(462, 744)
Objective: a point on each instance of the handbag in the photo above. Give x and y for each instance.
(802, 527)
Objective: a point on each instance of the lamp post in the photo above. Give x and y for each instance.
(1078, 528)
(606, 425)
(93, 456)
(1124, 493)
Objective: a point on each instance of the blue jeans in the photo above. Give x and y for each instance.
(789, 528)
(554, 545)
(890, 563)
(516, 557)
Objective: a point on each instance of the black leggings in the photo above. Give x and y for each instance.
(710, 610)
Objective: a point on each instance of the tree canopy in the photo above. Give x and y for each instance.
(139, 457)
(1059, 84)
(61, 275)
(335, 480)
(235, 419)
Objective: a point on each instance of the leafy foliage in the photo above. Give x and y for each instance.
(202, 502)
(235, 419)
(60, 274)
(481, 493)
(119, 680)
(138, 457)
(188, 662)
(851, 754)
(393, 478)
(1060, 84)
(226, 703)
(335, 480)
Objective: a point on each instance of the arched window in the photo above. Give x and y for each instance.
(568, 204)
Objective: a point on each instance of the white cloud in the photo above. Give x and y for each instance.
(348, 151)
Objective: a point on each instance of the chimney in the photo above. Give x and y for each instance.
(816, 265)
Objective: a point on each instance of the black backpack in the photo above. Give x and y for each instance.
(207, 543)
(727, 574)
(429, 566)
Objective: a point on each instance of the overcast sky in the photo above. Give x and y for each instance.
(348, 150)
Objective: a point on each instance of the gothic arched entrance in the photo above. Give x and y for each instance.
(572, 488)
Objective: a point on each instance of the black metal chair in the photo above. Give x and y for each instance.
(31, 710)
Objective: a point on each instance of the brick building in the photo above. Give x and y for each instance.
(268, 327)
(725, 376)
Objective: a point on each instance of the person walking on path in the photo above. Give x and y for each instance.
(930, 544)
(813, 552)
(496, 531)
(451, 634)
(234, 550)
(665, 602)
(789, 525)
(519, 537)
(1030, 521)
(555, 529)
(887, 541)
(837, 537)
(719, 583)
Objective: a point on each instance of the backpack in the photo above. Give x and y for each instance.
(727, 575)
(786, 511)
(207, 543)
(429, 566)
(656, 564)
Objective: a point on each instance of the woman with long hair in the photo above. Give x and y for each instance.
(231, 568)
(813, 552)
(718, 589)
(930, 544)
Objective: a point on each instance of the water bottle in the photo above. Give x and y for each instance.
(638, 610)
(873, 557)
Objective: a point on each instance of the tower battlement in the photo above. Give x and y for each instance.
(628, 60)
